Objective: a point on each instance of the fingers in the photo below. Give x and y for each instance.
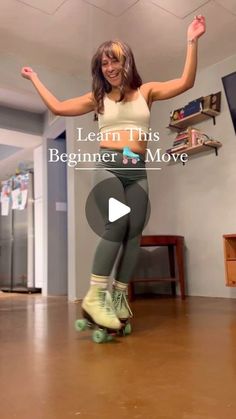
(199, 17)
(27, 72)
(27, 69)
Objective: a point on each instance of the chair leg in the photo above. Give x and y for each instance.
(173, 288)
(180, 263)
(172, 268)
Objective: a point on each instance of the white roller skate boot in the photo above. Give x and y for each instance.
(98, 314)
(121, 306)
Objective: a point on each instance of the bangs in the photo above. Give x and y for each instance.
(114, 50)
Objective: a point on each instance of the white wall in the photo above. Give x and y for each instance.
(198, 200)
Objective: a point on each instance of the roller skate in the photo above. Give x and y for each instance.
(98, 314)
(121, 307)
(128, 154)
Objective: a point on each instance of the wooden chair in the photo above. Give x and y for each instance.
(175, 246)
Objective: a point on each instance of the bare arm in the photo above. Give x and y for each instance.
(171, 88)
(76, 106)
(71, 107)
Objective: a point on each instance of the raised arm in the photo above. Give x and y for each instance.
(171, 88)
(71, 107)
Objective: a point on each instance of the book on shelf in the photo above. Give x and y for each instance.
(179, 142)
(183, 138)
(179, 148)
(189, 138)
(208, 103)
(191, 108)
(182, 135)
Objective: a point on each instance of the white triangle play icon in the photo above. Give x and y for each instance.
(116, 209)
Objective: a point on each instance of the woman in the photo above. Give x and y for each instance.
(121, 102)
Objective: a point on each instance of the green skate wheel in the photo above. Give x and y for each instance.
(109, 338)
(100, 336)
(127, 329)
(81, 325)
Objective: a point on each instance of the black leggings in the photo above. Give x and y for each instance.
(126, 231)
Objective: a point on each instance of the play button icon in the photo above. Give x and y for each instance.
(116, 209)
(111, 206)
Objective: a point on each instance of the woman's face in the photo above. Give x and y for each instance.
(112, 70)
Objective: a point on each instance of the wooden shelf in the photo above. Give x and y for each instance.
(212, 144)
(193, 119)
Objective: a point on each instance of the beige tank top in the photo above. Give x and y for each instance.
(124, 115)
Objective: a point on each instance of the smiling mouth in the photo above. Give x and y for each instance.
(113, 76)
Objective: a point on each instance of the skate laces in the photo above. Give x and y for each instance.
(118, 298)
(106, 302)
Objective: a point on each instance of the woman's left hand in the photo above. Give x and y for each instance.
(197, 28)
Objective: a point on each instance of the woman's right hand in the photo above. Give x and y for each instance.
(27, 72)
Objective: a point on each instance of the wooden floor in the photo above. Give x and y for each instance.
(179, 363)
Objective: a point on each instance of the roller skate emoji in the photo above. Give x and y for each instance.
(129, 155)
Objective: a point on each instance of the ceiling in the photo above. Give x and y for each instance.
(62, 35)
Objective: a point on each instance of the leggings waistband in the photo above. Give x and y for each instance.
(122, 165)
(120, 152)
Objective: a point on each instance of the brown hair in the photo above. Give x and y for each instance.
(130, 77)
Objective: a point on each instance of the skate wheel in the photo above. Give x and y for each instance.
(81, 325)
(127, 329)
(125, 160)
(100, 336)
(109, 338)
(134, 161)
